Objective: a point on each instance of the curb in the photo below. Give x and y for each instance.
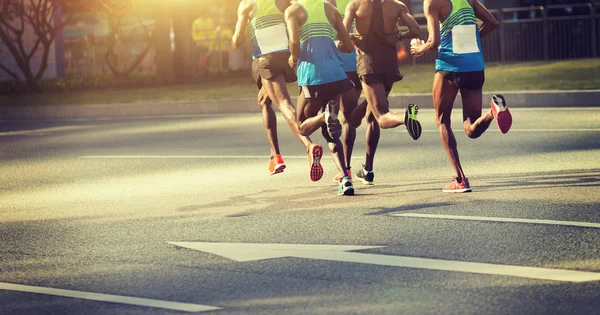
(589, 98)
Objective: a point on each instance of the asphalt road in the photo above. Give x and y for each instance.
(98, 217)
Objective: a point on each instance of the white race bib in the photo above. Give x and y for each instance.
(464, 39)
(271, 39)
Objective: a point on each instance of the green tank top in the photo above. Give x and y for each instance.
(317, 24)
(266, 30)
(460, 43)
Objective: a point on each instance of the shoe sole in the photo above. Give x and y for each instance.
(463, 190)
(366, 182)
(413, 126)
(316, 170)
(504, 117)
(347, 192)
(278, 169)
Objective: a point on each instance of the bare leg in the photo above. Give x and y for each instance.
(308, 117)
(474, 123)
(348, 104)
(276, 89)
(376, 97)
(269, 120)
(444, 94)
(372, 141)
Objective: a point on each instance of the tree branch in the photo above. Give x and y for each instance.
(12, 74)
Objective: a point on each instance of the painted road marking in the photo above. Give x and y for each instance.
(177, 306)
(529, 130)
(493, 219)
(249, 252)
(184, 157)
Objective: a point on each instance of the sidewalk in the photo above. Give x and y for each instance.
(586, 98)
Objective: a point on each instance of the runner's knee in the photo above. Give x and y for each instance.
(471, 133)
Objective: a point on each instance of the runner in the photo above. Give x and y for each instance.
(348, 131)
(312, 27)
(376, 36)
(453, 29)
(264, 22)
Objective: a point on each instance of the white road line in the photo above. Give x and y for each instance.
(530, 130)
(493, 219)
(184, 157)
(185, 307)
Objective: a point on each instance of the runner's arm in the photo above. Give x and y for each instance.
(293, 27)
(433, 28)
(350, 15)
(413, 27)
(242, 22)
(489, 21)
(346, 45)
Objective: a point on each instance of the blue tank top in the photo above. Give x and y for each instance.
(460, 43)
(319, 61)
(349, 60)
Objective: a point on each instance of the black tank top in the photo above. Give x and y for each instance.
(375, 52)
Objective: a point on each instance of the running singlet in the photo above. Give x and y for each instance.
(319, 61)
(349, 60)
(460, 44)
(267, 30)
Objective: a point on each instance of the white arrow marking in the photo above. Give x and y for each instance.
(185, 307)
(249, 251)
(493, 219)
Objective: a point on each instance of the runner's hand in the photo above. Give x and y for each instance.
(292, 62)
(356, 39)
(342, 48)
(416, 47)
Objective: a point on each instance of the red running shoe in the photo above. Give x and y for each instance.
(276, 165)
(339, 176)
(501, 113)
(456, 187)
(315, 153)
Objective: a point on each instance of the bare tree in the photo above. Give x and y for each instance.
(116, 11)
(39, 17)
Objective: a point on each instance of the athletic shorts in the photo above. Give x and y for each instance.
(387, 79)
(353, 76)
(272, 65)
(326, 92)
(465, 80)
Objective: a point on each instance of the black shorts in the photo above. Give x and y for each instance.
(353, 76)
(387, 79)
(465, 80)
(326, 92)
(272, 65)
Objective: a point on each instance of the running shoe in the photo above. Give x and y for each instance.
(334, 127)
(411, 122)
(315, 153)
(276, 165)
(456, 187)
(365, 176)
(339, 176)
(501, 113)
(345, 187)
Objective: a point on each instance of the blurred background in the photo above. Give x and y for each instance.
(61, 45)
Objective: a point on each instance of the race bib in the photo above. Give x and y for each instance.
(464, 39)
(271, 39)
